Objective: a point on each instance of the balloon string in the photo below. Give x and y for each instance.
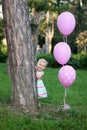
(65, 39)
(65, 95)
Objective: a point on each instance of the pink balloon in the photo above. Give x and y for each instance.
(67, 75)
(62, 52)
(66, 23)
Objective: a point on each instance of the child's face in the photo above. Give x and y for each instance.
(41, 65)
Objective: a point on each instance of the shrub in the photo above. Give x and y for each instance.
(3, 54)
(50, 58)
(83, 60)
(76, 60)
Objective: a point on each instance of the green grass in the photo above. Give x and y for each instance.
(51, 116)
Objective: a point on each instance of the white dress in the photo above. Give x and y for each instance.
(41, 90)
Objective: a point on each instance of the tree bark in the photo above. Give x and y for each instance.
(20, 54)
(49, 32)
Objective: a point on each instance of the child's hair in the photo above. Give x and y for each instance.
(42, 60)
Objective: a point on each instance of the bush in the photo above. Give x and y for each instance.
(76, 60)
(3, 54)
(83, 60)
(50, 58)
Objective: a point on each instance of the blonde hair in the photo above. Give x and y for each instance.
(42, 60)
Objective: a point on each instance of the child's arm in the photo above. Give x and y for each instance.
(39, 74)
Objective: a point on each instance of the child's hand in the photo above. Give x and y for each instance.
(39, 75)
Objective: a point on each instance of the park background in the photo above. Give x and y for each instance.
(50, 117)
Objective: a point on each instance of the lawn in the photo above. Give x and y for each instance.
(51, 116)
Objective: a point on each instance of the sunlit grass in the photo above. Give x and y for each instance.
(50, 116)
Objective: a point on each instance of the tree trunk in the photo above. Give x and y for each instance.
(35, 19)
(49, 32)
(20, 54)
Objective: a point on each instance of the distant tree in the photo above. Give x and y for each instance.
(81, 41)
(43, 10)
(36, 15)
(81, 28)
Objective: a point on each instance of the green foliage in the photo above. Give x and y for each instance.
(39, 5)
(3, 48)
(51, 116)
(50, 58)
(83, 60)
(3, 53)
(2, 34)
(76, 60)
(79, 60)
(57, 7)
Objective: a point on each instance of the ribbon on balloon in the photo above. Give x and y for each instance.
(65, 106)
(62, 52)
(65, 39)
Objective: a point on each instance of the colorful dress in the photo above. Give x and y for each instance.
(41, 90)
